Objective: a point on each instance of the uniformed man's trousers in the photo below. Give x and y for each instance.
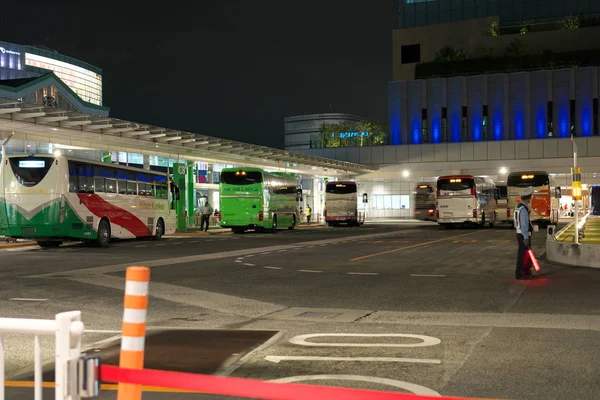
(524, 263)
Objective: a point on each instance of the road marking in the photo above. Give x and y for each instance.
(309, 270)
(178, 243)
(362, 273)
(272, 268)
(239, 258)
(264, 254)
(281, 251)
(194, 241)
(144, 245)
(161, 244)
(430, 276)
(238, 261)
(249, 265)
(229, 368)
(170, 261)
(249, 255)
(426, 341)
(227, 304)
(310, 247)
(410, 247)
(278, 359)
(26, 299)
(411, 387)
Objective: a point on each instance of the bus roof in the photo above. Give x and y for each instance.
(284, 175)
(84, 160)
(342, 182)
(528, 172)
(456, 176)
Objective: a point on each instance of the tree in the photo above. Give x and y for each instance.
(449, 53)
(514, 49)
(571, 22)
(350, 134)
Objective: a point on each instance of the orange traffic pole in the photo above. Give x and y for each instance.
(134, 328)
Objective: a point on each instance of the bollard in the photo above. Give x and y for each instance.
(134, 328)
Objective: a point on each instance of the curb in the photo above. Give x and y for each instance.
(13, 245)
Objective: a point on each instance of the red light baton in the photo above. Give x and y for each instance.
(533, 260)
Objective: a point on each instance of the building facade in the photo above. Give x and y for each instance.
(303, 131)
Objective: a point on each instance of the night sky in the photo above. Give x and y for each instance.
(225, 68)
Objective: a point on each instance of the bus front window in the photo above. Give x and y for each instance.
(241, 177)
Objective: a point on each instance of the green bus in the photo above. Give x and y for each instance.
(251, 198)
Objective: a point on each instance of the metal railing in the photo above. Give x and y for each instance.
(67, 329)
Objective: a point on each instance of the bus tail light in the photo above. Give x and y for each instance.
(473, 191)
(474, 213)
(430, 212)
(508, 213)
(261, 216)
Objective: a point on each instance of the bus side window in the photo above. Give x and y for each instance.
(99, 186)
(122, 186)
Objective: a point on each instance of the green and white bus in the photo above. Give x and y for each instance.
(251, 198)
(51, 199)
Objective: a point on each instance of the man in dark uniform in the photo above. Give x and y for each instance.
(524, 230)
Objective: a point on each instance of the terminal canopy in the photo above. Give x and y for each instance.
(36, 123)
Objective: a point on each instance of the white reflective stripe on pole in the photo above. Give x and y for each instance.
(37, 355)
(1, 366)
(576, 201)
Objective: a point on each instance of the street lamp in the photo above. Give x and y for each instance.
(405, 173)
(503, 171)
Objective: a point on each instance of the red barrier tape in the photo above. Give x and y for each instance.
(240, 387)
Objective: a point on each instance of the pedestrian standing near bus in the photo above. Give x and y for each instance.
(308, 212)
(524, 230)
(207, 211)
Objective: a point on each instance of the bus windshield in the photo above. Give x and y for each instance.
(528, 180)
(455, 184)
(30, 171)
(503, 192)
(340, 188)
(241, 177)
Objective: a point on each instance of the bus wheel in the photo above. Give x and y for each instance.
(103, 233)
(293, 224)
(160, 230)
(274, 228)
(238, 231)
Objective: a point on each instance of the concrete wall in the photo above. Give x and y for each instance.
(471, 35)
(577, 255)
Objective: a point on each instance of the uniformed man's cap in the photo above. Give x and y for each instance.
(527, 192)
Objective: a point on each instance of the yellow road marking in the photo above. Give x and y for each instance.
(410, 247)
(104, 386)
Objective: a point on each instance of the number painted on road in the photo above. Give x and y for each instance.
(411, 387)
(426, 341)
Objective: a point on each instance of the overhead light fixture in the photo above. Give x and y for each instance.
(57, 153)
(405, 173)
(503, 170)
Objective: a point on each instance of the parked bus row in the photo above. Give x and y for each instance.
(477, 200)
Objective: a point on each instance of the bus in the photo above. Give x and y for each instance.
(467, 200)
(341, 204)
(425, 201)
(545, 200)
(503, 212)
(52, 199)
(251, 198)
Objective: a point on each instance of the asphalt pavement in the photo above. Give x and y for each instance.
(402, 307)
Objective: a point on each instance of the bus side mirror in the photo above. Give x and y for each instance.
(365, 198)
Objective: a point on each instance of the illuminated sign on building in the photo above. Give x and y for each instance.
(87, 84)
(6, 51)
(346, 135)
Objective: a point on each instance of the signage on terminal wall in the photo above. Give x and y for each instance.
(346, 135)
(6, 51)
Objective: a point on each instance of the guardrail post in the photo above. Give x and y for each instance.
(69, 330)
(134, 328)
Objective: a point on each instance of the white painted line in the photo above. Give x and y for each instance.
(272, 268)
(249, 265)
(429, 276)
(277, 359)
(362, 273)
(178, 243)
(264, 254)
(144, 245)
(281, 251)
(25, 299)
(250, 255)
(411, 387)
(239, 258)
(425, 341)
(238, 261)
(161, 244)
(229, 368)
(194, 241)
(309, 270)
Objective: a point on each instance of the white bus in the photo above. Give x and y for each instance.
(425, 201)
(466, 199)
(341, 204)
(51, 199)
(545, 202)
